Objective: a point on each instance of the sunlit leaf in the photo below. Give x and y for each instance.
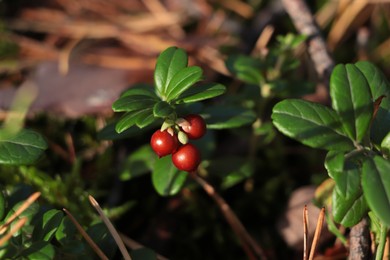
(182, 81)
(25, 147)
(199, 93)
(352, 100)
(133, 103)
(376, 186)
(312, 124)
(223, 117)
(169, 63)
(166, 178)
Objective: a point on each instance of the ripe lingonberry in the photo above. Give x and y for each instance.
(163, 143)
(196, 127)
(186, 158)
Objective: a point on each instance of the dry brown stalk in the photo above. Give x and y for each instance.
(250, 246)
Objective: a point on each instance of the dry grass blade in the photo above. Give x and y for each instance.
(19, 211)
(130, 243)
(89, 240)
(19, 224)
(317, 233)
(111, 228)
(305, 232)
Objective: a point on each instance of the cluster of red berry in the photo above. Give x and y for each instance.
(174, 140)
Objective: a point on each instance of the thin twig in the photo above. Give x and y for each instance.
(359, 240)
(232, 219)
(305, 232)
(111, 228)
(304, 22)
(30, 200)
(19, 224)
(87, 238)
(317, 233)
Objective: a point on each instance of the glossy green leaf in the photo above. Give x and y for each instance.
(41, 250)
(202, 92)
(334, 163)
(145, 118)
(169, 63)
(385, 145)
(376, 186)
(47, 224)
(351, 98)
(348, 211)
(133, 103)
(312, 124)
(140, 90)
(25, 147)
(129, 119)
(348, 180)
(162, 109)
(182, 81)
(379, 86)
(138, 163)
(166, 178)
(66, 231)
(246, 68)
(223, 117)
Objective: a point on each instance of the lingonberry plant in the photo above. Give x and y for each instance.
(355, 132)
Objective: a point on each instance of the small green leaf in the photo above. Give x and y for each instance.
(66, 231)
(246, 68)
(41, 250)
(334, 163)
(199, 93)
(145, 118)
(140, 90)
(138, 163)
(351, 98)
(376, 186)
(379, 86)
(166, 178)
(312, 124)
(348, 211)
(162, 109)
(129, 119)
(182, 81)
(25, 147)
(133, 103)
(223, 117)
(169, 63)
(47, 224)
(385, 145)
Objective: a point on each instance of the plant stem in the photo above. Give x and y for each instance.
(359, 238)
(249, 245)
(382, 242)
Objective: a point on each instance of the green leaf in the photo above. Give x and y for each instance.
(348, 211)
(162, 109)
(47, 224)
(312, 124)
(351, 98)
(145, 118)
(133, 103)
(223, 117)
(199, 93)
(140, 90)
(385, 145)
(169, 63)
(25, 147)
(138, 163)
(246, 68)
(376, 186)
(66, 231)
(379, 86)
(348, 180)
(41, 250)
(334, 163)
(131, 118)
(182, 81)
(166, 178)
(103, 239)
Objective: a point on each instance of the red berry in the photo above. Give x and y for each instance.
(163, 143)
(196, 127)
(186, 158)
